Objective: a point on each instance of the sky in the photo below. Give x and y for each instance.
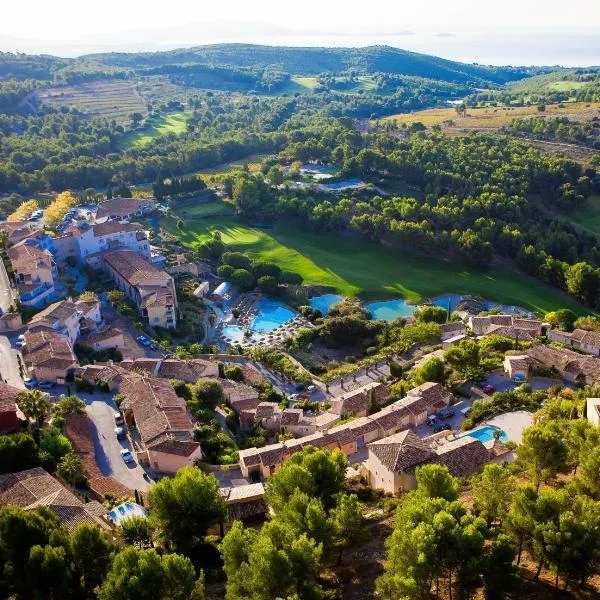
(69, 27)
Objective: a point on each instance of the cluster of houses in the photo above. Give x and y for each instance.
(111, 243)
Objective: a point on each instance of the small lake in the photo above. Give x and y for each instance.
(389, 310)
(324, 302)
(271, 314)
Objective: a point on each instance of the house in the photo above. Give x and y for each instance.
(453, 341)
(160, 416)
(588, 341)
(425, 400)
(239, 395)
(593, 411)
(151, 290)
(507, 326)
(48, 356)
(392, 461)
(34, 272)
(61, 317)
(91, 316)
(453, 329)
(361, 401)
(36, 487)
(578, 368)
(9, 421)
(16, 231)
(104, 339)
(518, 367)
(86, 243)
(124, 209)
(244, 501)
(202, 289)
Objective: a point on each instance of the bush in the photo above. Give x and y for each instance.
(431, 314)
(225, 271)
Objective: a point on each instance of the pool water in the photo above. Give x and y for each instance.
(390, 310)
(235, 333)
(324, 302)
(484, 434)
(125, 511)
(340, 185)
(271, 314)
(447, 301)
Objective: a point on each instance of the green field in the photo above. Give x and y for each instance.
(566, 86)
(174, 122)
(204, 209)
(588, 216)
(354, 267)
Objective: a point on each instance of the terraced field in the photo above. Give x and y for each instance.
(109, 99)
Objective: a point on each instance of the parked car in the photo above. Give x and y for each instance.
(444, 427)
(143, 340)
(488, 389)
(46, 385)
(120, 432)
(293, 397)
(431, 420)
(311, 389)
(118, 418)
(127, 456)
(30, 382)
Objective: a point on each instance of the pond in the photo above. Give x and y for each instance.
(324, 302)
(484, 434)
(388, 310)
(271, 314)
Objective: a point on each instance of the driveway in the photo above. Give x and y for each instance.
(9, 364)
(100, 409)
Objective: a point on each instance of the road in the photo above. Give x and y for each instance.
(101, 408)
(6, 291)
(9, 364)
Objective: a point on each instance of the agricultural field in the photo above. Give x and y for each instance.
(355, 268)
(155, 127)
(495, 117)
(107, 99)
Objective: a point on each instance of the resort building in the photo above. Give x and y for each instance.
(48, 356)
(62, 317)
(16, 231)
(165, 430)
(34, 272)
(588, 341)
(361, 401)
(578, 368)
(508, 326)
(392, 461)
(36, 487)
(150, 289)
(124, 209)
(108, 338)
(453, 329)
(85, 242)
(518, 367)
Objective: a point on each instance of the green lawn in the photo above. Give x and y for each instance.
(588, 216)
(174, 122)
(354, 267)
(204, 209)
(566, 86)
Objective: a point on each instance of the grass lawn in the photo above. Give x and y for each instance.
(566, 86)
(588, 216)
(204, 209)
(174, 122)
(354, 267)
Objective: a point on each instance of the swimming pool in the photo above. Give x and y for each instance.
(340, 185)
(125, 511)
(447, 301)
(234, 334)
(271, 314)
(324, 302)
(484, 434)
(389, 310)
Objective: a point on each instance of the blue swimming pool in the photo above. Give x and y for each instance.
(271, 314)
(447, 301)
(125, 511)
(389, 310)
(340, 185)
(234, 334)
(324, 302)
(484, 434)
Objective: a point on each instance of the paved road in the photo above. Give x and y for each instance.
(9, 364)
(101, 408)
(6, 292)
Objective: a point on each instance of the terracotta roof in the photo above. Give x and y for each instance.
(525, 335)
(57, 312)
(177, 447)
(462, 456)
(107, 333)
(592, 338)
(359, 400)
(133, 267)
(249, 457)
(8, 396)
(114, 227)
(48, 349)
(521, 361)
(122, 207)
(26, 258)
(273, 454)
(241, 396)
(402, 451)
(35, 487)
(265, 410)
(455, 326)
(187, 370)
(291, 416)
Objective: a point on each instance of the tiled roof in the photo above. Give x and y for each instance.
(177, 447)
(291, 416)
(240, 395)
(122, 207)
(133, 267)
(186, 370)
(114, 227)
(521, 361)
(265, 410)
(249, 457)
(8, 396)
(146, 365)
(462, 456)
(47, 349)
(401, 451)
(273, 454)
(25, 258)
(107, 333)
(591, 338)
(35, 487)
(59, 311)
(454, 327)
(523, 334)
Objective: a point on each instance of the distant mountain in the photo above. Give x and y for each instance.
(312, 61)
(292, 60)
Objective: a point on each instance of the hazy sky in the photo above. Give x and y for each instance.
(74, 19)
(508, 32)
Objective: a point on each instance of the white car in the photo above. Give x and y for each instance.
(311, 389)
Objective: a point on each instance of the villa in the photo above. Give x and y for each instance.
(61, 317)
(150, 289)
(588, 341)
(361, 401)
(518, 367)
(453, 329)
(124, 209)
(35, 273)
(508, 326)
(578, 368)
(48, 356)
